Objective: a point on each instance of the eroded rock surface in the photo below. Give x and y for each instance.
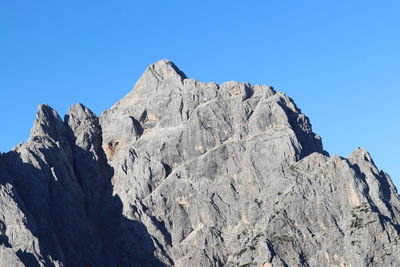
(185, 173)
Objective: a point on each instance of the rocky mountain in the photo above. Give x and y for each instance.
(185, 173)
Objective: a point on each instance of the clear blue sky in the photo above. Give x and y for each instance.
(339, 60)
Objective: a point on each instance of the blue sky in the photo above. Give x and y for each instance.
(339, 60)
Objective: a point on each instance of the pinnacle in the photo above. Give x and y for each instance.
(47, 122)
(80, 111)
(361, 154)
(164, 68)
(46, 113)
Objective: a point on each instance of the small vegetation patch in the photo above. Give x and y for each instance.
(356, 222)
(293, 167)
(357, 217)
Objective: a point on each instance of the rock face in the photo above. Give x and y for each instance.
(185, 173)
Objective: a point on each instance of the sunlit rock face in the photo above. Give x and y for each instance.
(185, 173)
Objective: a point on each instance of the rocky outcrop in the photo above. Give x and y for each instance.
(185, 173)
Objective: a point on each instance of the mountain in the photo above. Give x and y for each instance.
(185, 173)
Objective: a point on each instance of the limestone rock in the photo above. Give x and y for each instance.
(185, 173)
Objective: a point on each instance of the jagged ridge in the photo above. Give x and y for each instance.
(181, 172)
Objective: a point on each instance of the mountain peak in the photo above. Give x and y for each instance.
(186, 173)
(80, 111)
(165, 68)
(47, 123)
(361, 154)
(158, 76)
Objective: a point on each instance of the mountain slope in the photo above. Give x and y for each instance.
(181, 172)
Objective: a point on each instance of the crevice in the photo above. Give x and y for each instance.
(167, 169)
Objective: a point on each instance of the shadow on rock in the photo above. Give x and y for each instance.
(69, 207)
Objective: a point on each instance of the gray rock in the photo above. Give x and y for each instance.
(185, 173)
